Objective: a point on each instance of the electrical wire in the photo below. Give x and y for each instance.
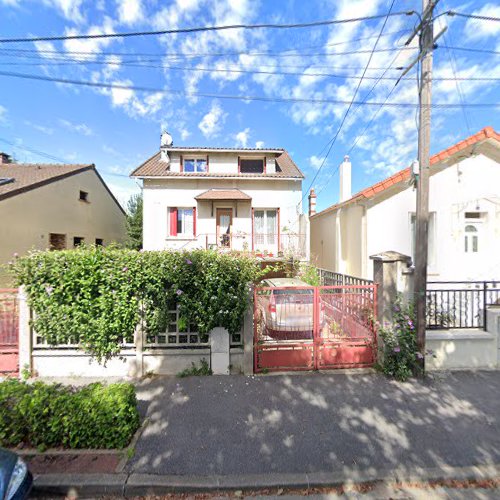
(233, 97)
(334, 139)
(205, 29)
(470, 16)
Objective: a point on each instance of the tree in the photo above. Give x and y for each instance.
(134, 221)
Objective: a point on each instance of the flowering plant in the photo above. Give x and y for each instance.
(401, 357)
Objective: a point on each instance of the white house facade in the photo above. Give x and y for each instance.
(464, 224)
(238, 199)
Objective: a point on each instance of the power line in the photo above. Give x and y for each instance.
(204, 29)
(334, 139)
(471, 16)
(470, 49)
(233, 97)
(182, 54)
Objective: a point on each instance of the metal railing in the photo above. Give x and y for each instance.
(460, 304)
(9, 316)
(330, 278)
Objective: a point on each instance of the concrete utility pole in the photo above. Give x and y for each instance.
(424, 142)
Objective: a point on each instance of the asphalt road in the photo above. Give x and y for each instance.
(317, 423)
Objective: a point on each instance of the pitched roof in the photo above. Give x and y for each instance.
(223, 194)
(403, 175)
(155, 167)
(28, 176)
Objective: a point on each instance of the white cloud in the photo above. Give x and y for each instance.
(92, 46)
(3, 114)
(79, 128)
(184, 134)
(476, 29)
(40, 128)
(316, 161)
(242, 138)
(69, 8)
(259, 144)
(10, 3)
(45, 49)
(212, 122)
(130, 11)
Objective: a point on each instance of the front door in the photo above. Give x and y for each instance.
(224, 225)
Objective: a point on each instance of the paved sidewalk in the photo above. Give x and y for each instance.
(351, 425)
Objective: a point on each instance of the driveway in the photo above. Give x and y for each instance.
(317, 423)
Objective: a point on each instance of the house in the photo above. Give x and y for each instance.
(464, 221)
(227, 198)
(45, 206)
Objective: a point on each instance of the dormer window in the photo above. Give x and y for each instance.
(195, 165)
(252, 165)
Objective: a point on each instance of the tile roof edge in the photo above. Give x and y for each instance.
(402, 175)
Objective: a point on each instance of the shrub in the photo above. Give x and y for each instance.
(400, 353)
(196, 371)
(92, 295)
(50, 415)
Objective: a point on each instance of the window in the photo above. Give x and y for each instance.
(431, 243)
(195, 165)
(182, 221)
(77, 241)
(99, 242)
(265, 227)
(84, 196)
(252, 165)
(471, 239)
(57, 241)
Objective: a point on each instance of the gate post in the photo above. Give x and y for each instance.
(393, 273)
(25, 338)
(249, 337)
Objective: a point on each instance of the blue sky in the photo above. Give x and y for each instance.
(118, 129)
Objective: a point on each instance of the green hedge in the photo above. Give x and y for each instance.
(93, 295)
(49, 415)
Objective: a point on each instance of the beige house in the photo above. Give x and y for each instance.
(54, 207)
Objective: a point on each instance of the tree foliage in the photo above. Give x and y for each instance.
(134, 221)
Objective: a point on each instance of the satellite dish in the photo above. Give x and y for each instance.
(166, 140)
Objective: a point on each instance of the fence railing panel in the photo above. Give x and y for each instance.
(9, 316)
(460, 304)
(331, 278)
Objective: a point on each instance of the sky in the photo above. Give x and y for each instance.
(117, 129)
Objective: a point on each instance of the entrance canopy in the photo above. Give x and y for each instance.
(223, 194)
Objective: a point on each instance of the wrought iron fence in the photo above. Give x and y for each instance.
(460, 304)
(330, 278)
(9, 316)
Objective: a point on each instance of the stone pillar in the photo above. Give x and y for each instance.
(493, 325)
(393, 274)
(219, 351)
(248, 338)
(25, 338)
(139, 348)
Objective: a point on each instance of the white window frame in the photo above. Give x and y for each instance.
(184, 232)
(196, 160)
(266, 241)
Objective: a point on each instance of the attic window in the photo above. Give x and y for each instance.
(472, 215)
(84, 196)
(252, 165)
(6, 180)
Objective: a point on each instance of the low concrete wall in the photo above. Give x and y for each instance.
(461, 349)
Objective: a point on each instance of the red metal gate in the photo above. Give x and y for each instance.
(9, 328)
(314, 328)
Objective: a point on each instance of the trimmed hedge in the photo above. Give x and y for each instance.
(50, 415)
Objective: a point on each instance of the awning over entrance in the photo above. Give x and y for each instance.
(223, 194)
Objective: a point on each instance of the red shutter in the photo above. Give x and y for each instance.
(173, 222)
(207, 164)
(182, 163)
(194, 221)
(239, 165)
(279, 231)
(265, 164)
(253, 229)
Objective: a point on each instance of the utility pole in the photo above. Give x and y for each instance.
(424, 147)
(427, 42)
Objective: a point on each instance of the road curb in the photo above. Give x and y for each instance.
(75, 485)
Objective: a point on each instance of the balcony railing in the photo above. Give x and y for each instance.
(460, 304)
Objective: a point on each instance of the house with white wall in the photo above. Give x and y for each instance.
(464, 222)
(226, 198)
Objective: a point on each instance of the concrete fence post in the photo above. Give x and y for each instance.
(139, 350)
(248, 340)
(219, 351)
(25, 338)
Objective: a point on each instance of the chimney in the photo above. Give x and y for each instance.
(312, 202)
(5, 158)
(345, 179)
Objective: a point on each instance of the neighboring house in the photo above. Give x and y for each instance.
(229, 198)
(464, 222)
(55, 207)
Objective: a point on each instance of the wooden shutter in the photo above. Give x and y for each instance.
(173, 222)
(194, 221)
